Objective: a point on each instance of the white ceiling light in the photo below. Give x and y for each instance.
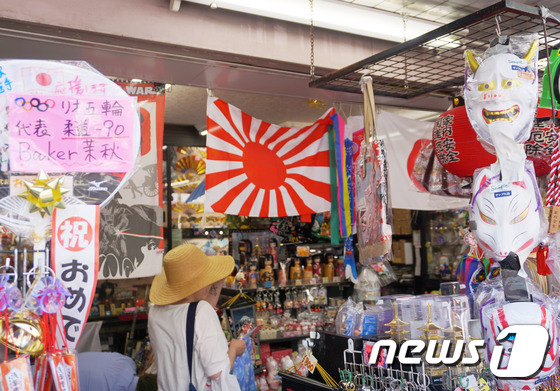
(333, 15)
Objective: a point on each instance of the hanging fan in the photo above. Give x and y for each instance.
(186, 183)
(191, 163)
(200, 151)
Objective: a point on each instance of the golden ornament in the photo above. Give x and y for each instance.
(44, 194)
(24, 333)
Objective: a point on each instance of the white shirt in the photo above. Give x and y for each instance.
(167, 330)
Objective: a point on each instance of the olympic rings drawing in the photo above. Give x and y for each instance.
(34, 103)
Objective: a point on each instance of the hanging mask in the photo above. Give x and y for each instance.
(481, 274)
(496, 318)
(502, 90)
(507, 217)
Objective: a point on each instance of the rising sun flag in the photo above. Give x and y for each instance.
(258, 169)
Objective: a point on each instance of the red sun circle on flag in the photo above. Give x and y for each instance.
(75, 233)
(43, 79)
(263, 167)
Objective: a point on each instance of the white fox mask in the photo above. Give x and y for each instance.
(507, 215)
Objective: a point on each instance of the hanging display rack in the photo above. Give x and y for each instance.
(434, 61)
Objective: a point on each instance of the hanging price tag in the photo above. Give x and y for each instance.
(554, 220)
(309, 361)
(483, 385)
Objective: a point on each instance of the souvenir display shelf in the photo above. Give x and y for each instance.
(434, 61)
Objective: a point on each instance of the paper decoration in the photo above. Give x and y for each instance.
(258, 169)
(44, 194)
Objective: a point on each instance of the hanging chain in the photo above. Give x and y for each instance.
(405, 20)
(312, 42)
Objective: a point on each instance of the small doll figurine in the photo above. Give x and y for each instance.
(241, 278)
(283, 272)
(340, 268)
(106, 294)
(253, 276)
(308, 271)
(328, 270)
(317, 268)
(295, 271)
(273, 248)
(267, 274)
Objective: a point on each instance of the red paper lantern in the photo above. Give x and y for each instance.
(456, 144)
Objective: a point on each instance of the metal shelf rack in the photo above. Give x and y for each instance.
(434, 61)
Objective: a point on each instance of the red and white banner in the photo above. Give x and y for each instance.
(403, 137)
(258, 169)
(75, 260)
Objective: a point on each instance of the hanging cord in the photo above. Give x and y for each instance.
(405, 20)
(545, 13)
(498, 19)
(366, 84)
(312, 44)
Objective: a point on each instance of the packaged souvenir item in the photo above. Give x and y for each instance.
(283, 271)
(507, 217)
(497, 317)
(347, 317)
(373, 212)
(243, 368)
(368, 288)
(16, 375)
(370, 321)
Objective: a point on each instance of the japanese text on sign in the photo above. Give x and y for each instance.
(5, 83)
(443, 141)
(75, 256)
(71, 134)
(540, 142)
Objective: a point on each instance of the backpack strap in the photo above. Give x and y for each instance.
(191, 312)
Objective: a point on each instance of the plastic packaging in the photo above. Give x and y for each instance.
(505, 215)
(16, 374)
(515, 59)
(346, 318)
(370, 321)
(368, 288)
(430, 176)
(373, 212)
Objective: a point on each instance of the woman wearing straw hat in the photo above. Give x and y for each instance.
(190, 276)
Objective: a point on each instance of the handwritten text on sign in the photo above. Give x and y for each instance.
(64, 133)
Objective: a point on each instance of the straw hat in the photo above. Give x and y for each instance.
(186, 270)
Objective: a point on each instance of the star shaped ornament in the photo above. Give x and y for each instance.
(44, 194)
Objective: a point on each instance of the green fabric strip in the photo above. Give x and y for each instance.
(335, 221)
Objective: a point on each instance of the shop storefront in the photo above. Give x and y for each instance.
(349, 247)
